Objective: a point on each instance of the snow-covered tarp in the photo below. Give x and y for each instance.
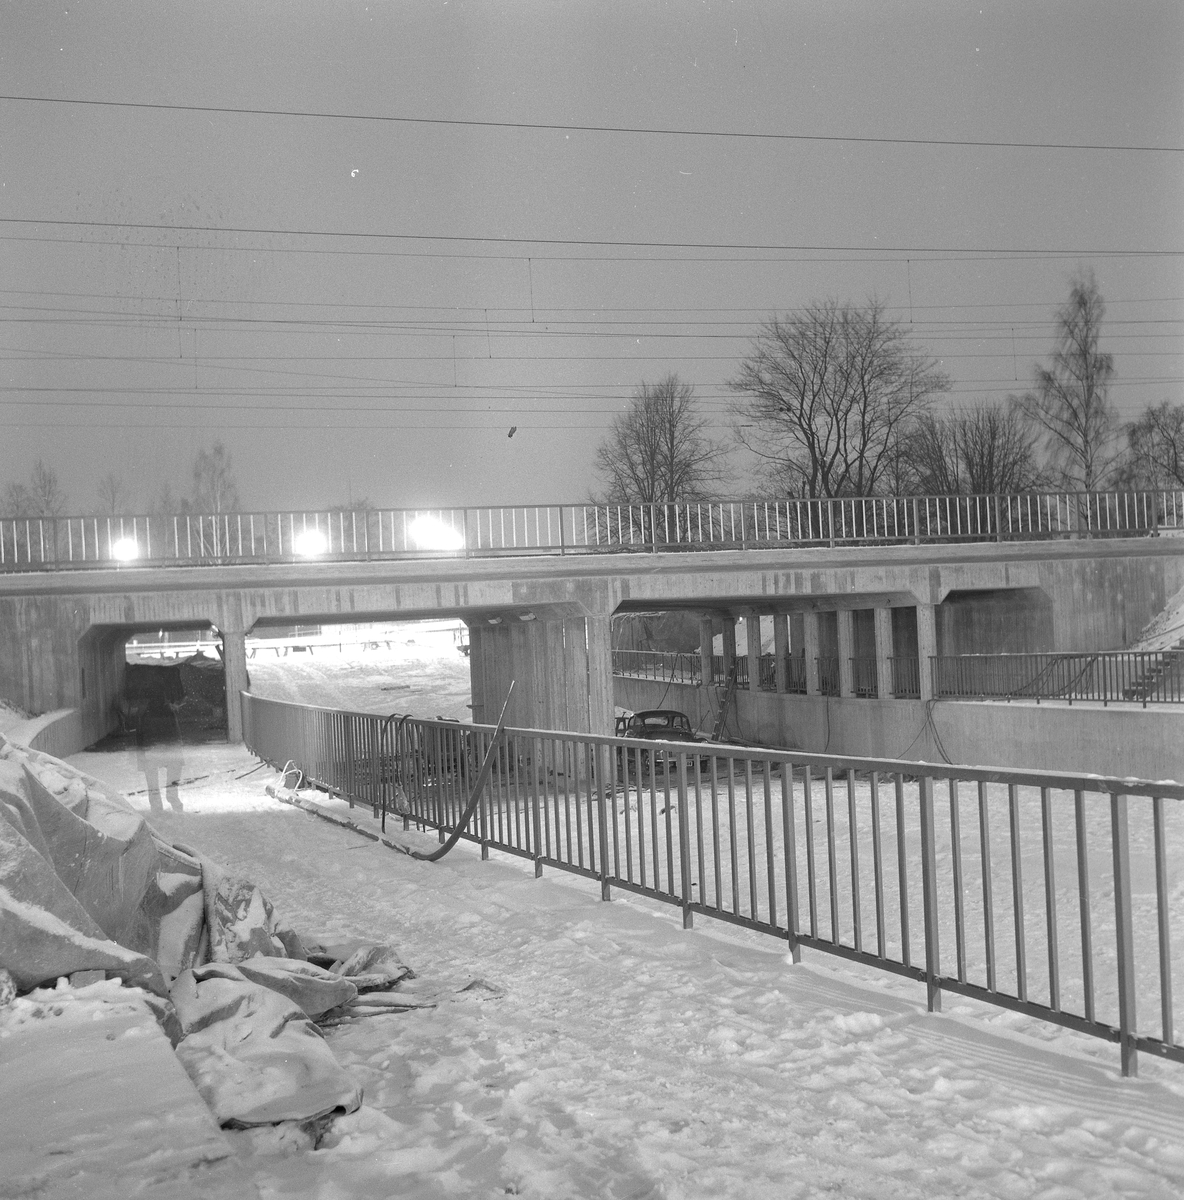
(87, 885)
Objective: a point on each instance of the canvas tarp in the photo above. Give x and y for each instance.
(86, 884)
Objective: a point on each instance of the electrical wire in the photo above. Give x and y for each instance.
(887, 256)
(608, 243)
(630, 130)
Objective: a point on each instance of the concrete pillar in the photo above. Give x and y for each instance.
(797, 639)
(926, 647)
(234, 660)
(812, 643)
(883, 628)
(562, 700)
(601, 710)
(527, 654)
(781, 651)
(845, 619)
(477, 672)
(729, 644)
(575, 673)
(752, 636)
(561, 670)
(706, 642)
(496, 671)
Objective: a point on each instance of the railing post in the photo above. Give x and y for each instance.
(929, 894)
(483, 811)
(1124, 934)
(537, 757)
(606, 798)
(916, 523)
(684, 844)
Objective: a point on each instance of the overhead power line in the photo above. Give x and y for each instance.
(451, 309)
(629, 130)
(607, 243)
(875, 256)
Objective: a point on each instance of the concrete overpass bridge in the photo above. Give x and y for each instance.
(539, 587)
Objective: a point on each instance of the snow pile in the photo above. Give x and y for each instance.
(11, 717)
(96, 1104)
(1166, 631)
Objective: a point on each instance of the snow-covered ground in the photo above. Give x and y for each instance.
(584, 1049)
(414, 667)
(10, 717)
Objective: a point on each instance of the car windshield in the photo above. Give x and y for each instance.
(665, 721)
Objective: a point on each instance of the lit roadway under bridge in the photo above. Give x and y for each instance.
(541, 615)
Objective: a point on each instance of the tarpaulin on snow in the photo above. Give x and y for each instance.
(250, 1046)
(85, 884)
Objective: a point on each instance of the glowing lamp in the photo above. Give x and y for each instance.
(125, 549)
(310, 542)
(430, 533)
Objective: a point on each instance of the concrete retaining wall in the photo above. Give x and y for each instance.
(58, 733)
(1086, 739)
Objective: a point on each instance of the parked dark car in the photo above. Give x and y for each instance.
(658, 725)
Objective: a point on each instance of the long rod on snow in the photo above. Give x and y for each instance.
(478, 787)
(382, 736)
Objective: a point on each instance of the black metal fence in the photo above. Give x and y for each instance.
(1012, 887)
(1154, 677)
(1116, 676)
(660, 665)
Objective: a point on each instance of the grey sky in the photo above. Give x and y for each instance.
(392, 366)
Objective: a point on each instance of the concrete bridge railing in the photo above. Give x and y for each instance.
(196, 539)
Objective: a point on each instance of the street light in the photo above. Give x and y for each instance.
(309, 543)
(430, 533)
(125, 550)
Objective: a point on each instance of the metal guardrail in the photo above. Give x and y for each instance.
(673, 666)
(906, 676)
(1144, 677)
(194, 539)
(1015, 888)
(663, 666)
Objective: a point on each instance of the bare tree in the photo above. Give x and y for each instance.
(658, 451)
(826, 393)
(986, 449)
(168, 503)
(115, 496)
(1154, 456)
(42, 496)
(1071, 402)
(214, 486)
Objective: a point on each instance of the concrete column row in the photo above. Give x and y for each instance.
(810, 641)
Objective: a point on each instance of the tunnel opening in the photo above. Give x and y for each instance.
(165, 684)
(174, 686)
(421, 667)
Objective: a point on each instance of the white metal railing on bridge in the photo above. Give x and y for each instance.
(192, 539)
